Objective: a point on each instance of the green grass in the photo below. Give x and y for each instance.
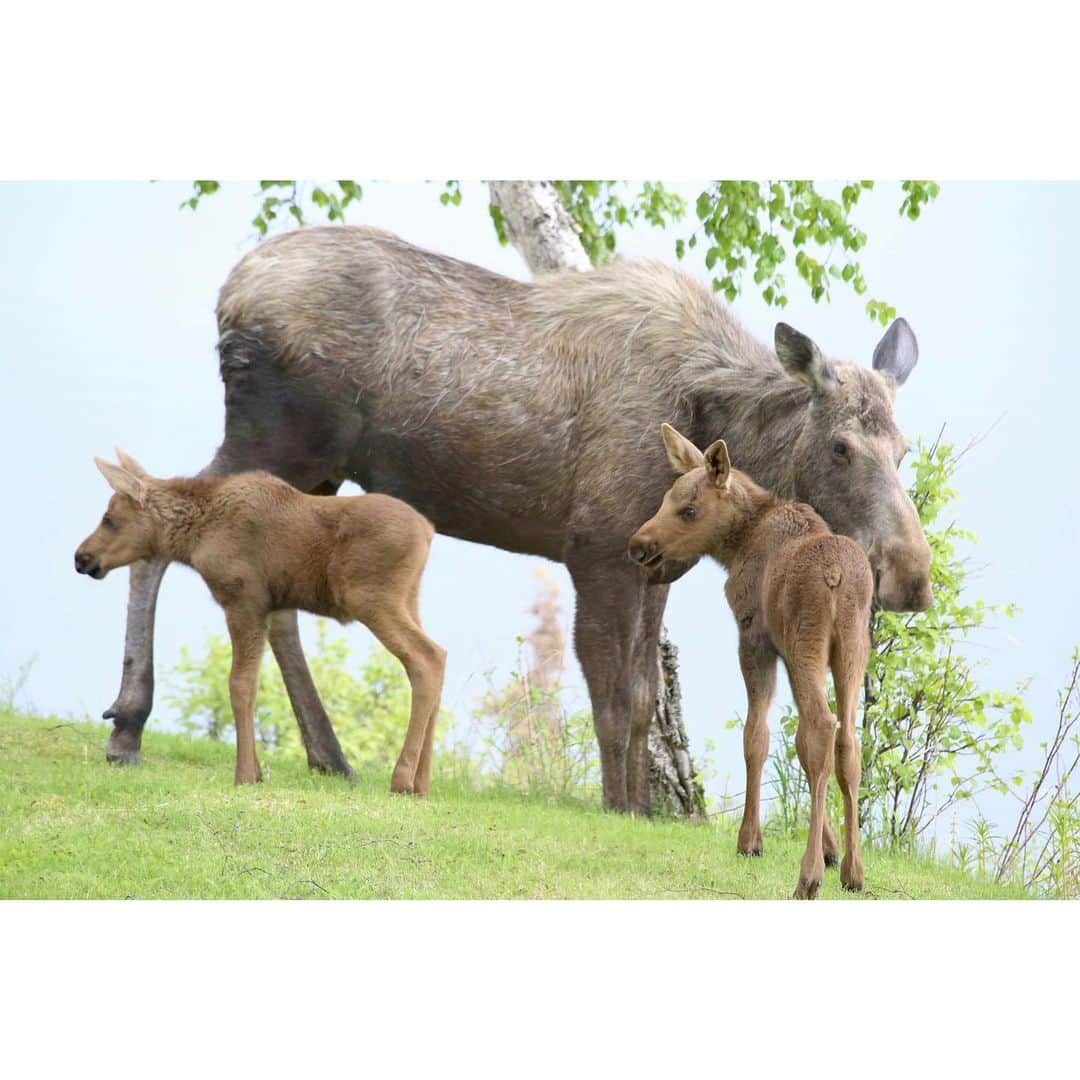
(72, 826)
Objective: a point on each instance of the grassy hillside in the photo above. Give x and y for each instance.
(73, 827)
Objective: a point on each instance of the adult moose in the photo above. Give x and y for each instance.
(523, 415)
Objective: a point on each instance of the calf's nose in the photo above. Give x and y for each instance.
(82, 561)
(640, 551)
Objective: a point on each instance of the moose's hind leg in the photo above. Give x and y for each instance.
(324, 753)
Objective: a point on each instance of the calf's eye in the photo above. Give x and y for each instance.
(839, 449)
(688, 513)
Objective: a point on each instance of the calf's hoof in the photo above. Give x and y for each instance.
(750, 842)
(851, 875)
(807, 889)
(830, 849)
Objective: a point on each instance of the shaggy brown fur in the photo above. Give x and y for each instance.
(265, 549)
(797, 590)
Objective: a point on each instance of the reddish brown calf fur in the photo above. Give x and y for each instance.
(266, 550)
(797, 590)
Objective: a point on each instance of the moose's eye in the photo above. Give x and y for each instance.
(840, 449)
(108, 522)
(688, 513)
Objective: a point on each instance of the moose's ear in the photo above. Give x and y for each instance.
(897, 352)
(718, 463)
(802, 359)
(129, 463)
(121, 481)
(681, 452)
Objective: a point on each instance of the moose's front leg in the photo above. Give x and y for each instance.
(133, 703)
(606, 622)
(757, 659)
(248, 641)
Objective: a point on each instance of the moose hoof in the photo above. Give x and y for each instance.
(122, 748)
(344, 770)
(123, 757)
(807, 889)
(750, 842)
(851, 877)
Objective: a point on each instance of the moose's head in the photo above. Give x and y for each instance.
(845, 453)
(126, 532)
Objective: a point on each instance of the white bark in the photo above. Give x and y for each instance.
(542, 230)
(538, 225)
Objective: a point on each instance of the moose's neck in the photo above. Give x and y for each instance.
(760, 412)
(750, 503)
(179, 508)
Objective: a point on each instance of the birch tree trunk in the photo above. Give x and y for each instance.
(543, 231)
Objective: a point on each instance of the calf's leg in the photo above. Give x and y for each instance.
(248, 636)
(757, 659)
(815, 742)
(849, 656)
(425, 664)
(422, 782)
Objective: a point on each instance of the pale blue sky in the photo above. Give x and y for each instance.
(107, 337)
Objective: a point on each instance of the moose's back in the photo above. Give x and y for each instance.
(508, 413)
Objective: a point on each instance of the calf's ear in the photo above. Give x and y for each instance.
(121, 481)
(129, 463)
(718, 463)
(802, 359)
(897, 352)
(681, 452)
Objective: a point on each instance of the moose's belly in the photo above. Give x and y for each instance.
(471, 496)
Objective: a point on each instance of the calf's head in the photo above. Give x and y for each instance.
(845, 453)
(126, 532)
(698, 511)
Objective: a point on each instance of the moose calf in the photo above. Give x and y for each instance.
(263, 547)
(797, 590)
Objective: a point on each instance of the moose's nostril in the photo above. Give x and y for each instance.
(642, 552)
(80, 561)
